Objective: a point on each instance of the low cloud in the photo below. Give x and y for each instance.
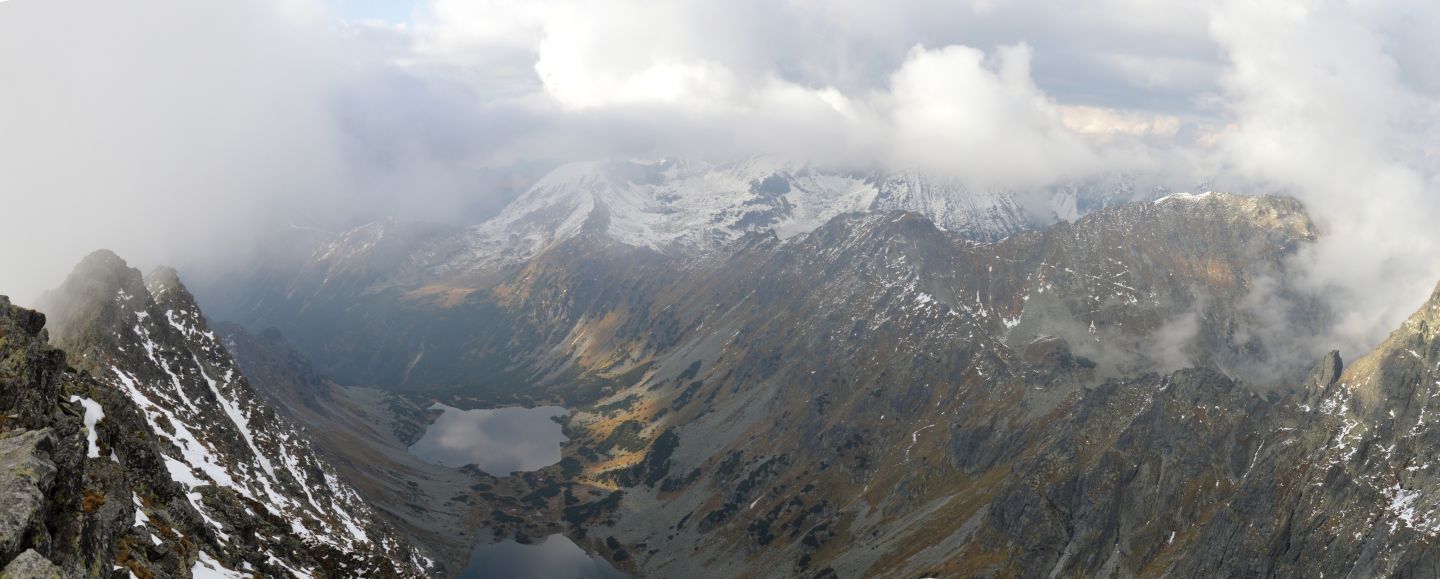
(1171, 343)
(148, 126)
(187, 132)
(1323, 110)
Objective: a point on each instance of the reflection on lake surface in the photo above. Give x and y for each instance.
(498, 440)
(555, 558)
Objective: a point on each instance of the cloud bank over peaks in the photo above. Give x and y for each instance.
(952, 110)
(1322, 109)
(183, 132)
(918, 85)
(1331, 101)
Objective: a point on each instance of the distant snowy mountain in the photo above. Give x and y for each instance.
(666, 210)
(674, 207)
(678, 207)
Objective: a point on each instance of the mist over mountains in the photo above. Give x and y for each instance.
(795, 289)
(275, 117)
(869, 394)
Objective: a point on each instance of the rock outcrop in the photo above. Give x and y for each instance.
(875, 397)
(52, 512)
(1117, 396)
(151, 456)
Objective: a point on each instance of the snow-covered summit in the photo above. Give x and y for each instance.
(686, 208)
(682, 207)
(669, 206)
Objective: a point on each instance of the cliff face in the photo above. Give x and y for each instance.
(878, 396)
(85, 494)
(880, 399)
(152, 455)
(42, 454)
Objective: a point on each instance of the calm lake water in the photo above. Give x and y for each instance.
(555, 558)
(498, 440)
(501, 441)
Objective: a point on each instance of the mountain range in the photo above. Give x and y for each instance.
(770, 370)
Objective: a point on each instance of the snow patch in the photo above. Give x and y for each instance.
(206, 567)
(93, 414)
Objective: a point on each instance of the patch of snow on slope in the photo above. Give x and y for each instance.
(93, 414)
(206, 567)
(140, 517)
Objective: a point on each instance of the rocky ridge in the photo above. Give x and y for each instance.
(165, 461)
(669, 210)
(882, 397)
(843, 401)
(878, 398)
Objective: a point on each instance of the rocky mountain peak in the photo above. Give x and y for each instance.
(25, 360)
(146, 342)
(164, 279)
(1429, 312)
(1327, 371)
(28, 322)
(102, 264)
(872, 231)
(1281, 214)
(1406, 366)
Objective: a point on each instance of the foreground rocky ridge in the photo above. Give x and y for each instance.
(155, 457)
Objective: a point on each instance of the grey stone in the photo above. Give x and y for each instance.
(26, 475)
(30, 565)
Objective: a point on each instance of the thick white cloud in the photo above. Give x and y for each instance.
(171, 130)
(726, 69)
(988, 124)
(153, 128)
(941, 86)
(1321, 110)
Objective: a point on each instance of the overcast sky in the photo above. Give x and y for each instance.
(181, 131)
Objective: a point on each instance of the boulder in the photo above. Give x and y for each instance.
(26, 476)
(31, 565)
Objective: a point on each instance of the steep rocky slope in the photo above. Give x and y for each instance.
(360, 287)
(862, 397)
(882, 397)
(56, 518)
(878, 398)
(1348, 486)
(365, 434)
(163, 461)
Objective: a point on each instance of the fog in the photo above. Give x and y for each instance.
(190, 133)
